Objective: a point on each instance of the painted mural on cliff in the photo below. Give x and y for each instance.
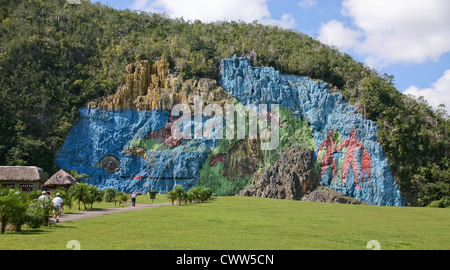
(349, 158)
(124, 140)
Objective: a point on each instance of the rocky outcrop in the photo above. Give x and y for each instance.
(329, 195)
(289, 178)
(352, 161)
(152, 87)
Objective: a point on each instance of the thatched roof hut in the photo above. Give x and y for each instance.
(25, 178)
(61, 179)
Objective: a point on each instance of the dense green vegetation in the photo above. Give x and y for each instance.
(54, 57)
(247, 223)
(195, 194)
(18, 208)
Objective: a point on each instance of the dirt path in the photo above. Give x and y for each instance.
(106, 211)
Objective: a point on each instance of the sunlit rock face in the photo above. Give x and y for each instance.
(348, 156)
(125, 140)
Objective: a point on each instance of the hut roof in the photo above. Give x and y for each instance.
(61, 178)
(22, 173)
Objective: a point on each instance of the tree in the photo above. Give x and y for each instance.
(109, 194)
(8, 204)
(171, 196)
(120, 197)
(37, 214)
(79, 177)
(179, 193)
(80, 193)
(206, 193)
(13, 207)
(195, 194)
(93, 195)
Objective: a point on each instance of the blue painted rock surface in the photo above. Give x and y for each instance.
(102, 134)
(325, 112)
(115, 146)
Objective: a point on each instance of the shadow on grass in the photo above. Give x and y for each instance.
(42, 230)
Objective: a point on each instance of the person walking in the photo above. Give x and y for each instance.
(43, 199)
(133, 199)
(57, 207)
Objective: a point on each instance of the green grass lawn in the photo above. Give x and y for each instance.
(247, 223)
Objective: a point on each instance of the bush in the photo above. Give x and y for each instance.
(121, 197)
(86, 194)
(171, 196)
(36, 215)
(435, 204)
(206, 193)
(442, 203)
(446, 201)
(109, 194)
(12, 209)
(19, 208)
(94, 195)
(79, 192)
(196, 194)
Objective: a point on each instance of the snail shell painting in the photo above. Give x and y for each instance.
(110, 164)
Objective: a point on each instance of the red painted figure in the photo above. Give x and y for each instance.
(365, 165)
(328, 159)
(351, 143)
(215, 159)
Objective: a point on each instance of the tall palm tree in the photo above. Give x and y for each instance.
(179, 193)
(94, 195)
(12, 207)
(80, 192)
(171, 196)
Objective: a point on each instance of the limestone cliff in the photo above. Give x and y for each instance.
(152, 87)
(132, 127)
(348, 156)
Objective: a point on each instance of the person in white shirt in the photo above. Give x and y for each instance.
(43, 199)
(133, 198)
(57, 206)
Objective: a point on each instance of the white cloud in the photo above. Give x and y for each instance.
(400, 31)
(336, 34)
(216, 10)
(438, 93)
(307, 3)
(287, 21)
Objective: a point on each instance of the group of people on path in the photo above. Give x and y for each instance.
(57, 203)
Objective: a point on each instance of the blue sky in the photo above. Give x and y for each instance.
(409, 39)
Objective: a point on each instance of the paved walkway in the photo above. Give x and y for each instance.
(106, 211)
